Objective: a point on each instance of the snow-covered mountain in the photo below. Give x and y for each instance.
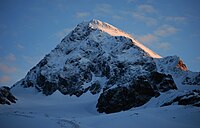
(97, 69)
(100, 58)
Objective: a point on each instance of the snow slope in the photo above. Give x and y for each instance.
(59, 111)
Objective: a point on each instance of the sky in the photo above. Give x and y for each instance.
(30, 29)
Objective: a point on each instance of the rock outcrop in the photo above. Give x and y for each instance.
(6, 96)
(189, 98)
(139, 92)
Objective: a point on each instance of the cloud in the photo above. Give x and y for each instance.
(165, 30)
(104, 8)
(146, 13)
(163, 46)
(131, 1)
(149, 38)
(7, 69)
(82, 14)
(145, 8)
(198, 58)
(4, 79)
(3, 28)
(19, 46)
(175, 18)
(10, 57)
(117, 17)
(154, 37)
(146, 19)
(153, 40)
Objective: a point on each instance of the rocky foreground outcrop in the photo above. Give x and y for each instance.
(6, 96)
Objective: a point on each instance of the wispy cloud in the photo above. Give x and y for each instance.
(10, 57)
(4, 79)
(61, 5)
(154, 37)
(148, 38)
(82, 14)
(165, 30)
(104, 8)
(3, 28)
(19, 46)
(131, 1)
(117, 17)
(146, 13)
(175, 18)
(7, 69)
(198, 58)
(163, 46)
(146, 19)
(145, 8)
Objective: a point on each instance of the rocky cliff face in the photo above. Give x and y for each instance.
(100, 58)
(138, 92)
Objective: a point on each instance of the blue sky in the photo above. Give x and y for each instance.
(30, 29)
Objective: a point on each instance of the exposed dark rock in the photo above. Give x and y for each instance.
(79, 33)
(139, 92)
(189, 98)
(162, 82)
(71, 86)
(45, 86)
(6, 96)
(42, 62)
(192, 80)
(95, 87)
(115, 100)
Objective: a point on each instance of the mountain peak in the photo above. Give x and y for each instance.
(108, 28)
(95, 24)
(95, 21)
(113, 31)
